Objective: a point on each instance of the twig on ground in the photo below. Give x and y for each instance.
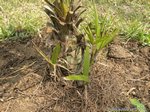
(23, 68)
(140, 79)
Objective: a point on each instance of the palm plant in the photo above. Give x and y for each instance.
(67, 45)
(72, 53)
(99, 33)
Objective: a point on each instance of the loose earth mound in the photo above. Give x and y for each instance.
(121, 71)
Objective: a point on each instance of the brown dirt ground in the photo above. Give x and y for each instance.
(121, 71)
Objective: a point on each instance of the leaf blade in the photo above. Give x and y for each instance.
(55, 53)
(42, 54)
(86, 63)
(77, 78)
(139, 105)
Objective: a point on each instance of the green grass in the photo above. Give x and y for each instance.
(20, 19)
(131, 17)
(140, 107)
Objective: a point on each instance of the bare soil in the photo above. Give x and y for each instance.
(121, 71)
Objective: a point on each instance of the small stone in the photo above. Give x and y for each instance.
(117, 51)
(1, 100)
(134, 93)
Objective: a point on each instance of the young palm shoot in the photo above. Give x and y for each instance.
(66, 43)
(86, 67)
(98, 33)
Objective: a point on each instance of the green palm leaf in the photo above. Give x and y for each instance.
(77, 78)
(55, 53)
(86, 64)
